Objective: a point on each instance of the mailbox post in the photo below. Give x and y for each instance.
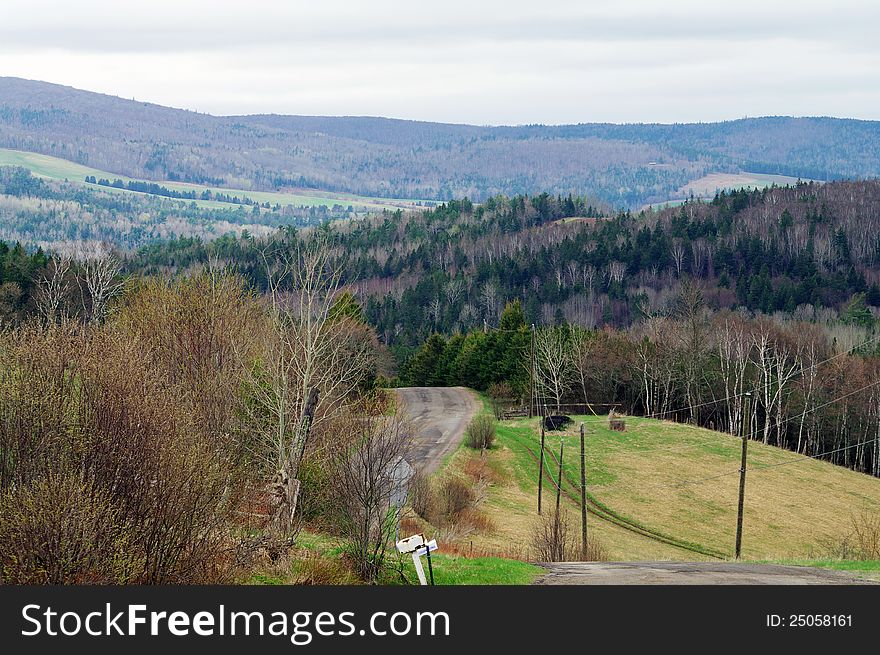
(417, 546)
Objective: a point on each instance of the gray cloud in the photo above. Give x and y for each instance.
(483, 62)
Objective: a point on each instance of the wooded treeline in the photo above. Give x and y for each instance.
(810, 395)
(784, 262)
(809, 252)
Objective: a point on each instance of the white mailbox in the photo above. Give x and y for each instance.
(410, 544)
(417, 545)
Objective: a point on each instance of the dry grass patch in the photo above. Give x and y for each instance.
(655, 474)
(664, 477)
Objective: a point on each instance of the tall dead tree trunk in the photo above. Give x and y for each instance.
(284, 489)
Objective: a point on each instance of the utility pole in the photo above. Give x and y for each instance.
(747, 429)
(559, 480)
(541, 467)
(583, 498)
(532, 407)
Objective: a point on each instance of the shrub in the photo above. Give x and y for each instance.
(554, 541)
(861, 543)
(152, 494)
(315, 496)
(480, 434)
(455, 496)
(482, 471)
(501, 395)
(421, 496)
(363, 487)
(62, 530)
(551, 539)
(865, 536)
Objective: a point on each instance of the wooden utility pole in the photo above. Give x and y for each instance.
(532, 407)
(559, 479)
(747, 430)
(583, 498)
(541, 467)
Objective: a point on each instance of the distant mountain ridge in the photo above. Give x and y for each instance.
(624, 165)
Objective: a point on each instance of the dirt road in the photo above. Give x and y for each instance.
(690, 573)
(439, 416)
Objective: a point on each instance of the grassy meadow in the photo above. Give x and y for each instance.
(663, 490)
(56, 168)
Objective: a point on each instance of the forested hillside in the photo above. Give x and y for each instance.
(624, 165)
(197, 356)
(64, 216)
(810, 251)
(673, 314)
(663, 312)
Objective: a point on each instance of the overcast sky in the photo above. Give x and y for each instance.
(473, 61)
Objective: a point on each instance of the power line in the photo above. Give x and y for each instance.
(752, 433)
(757, 467)
(761, 387)
(802, 458)
(677, 448)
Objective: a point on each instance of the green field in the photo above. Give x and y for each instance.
(449, 569)
(663, 490)
(61, 169)
(460, 570)
(658, 491)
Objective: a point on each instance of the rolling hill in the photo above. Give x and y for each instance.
(664, 490)
(55, 168)
(621, 165)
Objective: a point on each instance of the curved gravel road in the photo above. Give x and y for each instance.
(438, 416)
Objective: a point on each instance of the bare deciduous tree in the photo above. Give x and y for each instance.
(100, 275)
(693, 337)
(777, 367)
(54, 290)
(677, 252)
(734, 349)
(307, 349)
(553, 366)
(489, 300)
(656, 363)
(455, 289)
(368, 475)
(616, 271)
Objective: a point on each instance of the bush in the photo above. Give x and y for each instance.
(480, 434)
(62, 530)
(861, 543)
(444, 503)
(363, 489)
(554, 541)
(152, 493)
(501, 395)
(316, 502)
(865, 536)
(551, 539)
(421, 496)
(455, 496)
